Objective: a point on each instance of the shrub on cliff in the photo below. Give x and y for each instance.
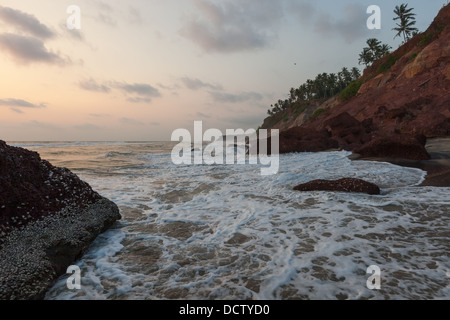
(351, 90)
(317, 113)
(391, 60)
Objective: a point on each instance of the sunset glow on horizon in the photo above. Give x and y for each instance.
(137, 70)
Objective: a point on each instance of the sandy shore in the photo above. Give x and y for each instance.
(438, 167)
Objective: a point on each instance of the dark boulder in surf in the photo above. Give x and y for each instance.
(342, 185)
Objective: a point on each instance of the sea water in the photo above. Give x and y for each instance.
(226, 232)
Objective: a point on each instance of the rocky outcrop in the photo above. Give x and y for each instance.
(48, 218)
(341, 185)
(404, 95)
(395, 146)
(349, 132)
(300, 139)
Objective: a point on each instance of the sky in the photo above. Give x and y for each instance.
(137, 70)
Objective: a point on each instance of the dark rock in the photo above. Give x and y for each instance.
(348, 131)
(421, 138)
(33, 257)
(400, 114)
(48, 219)
(300, 139)
(31, 188)
(395, 146)
(343, 185)
(368, 125)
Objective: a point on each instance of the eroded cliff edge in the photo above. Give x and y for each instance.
(403, 99)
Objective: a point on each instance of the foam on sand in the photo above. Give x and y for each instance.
(226, 232)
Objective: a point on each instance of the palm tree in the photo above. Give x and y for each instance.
(383, 50)
(347, 76)
(276, 108)
(366, 57)
(407, 21)
(378, 50)
(292, 95)
(310, 89)
(355, 73)
(320, 85)
(373, 52)
(340, 81)
(332, 84)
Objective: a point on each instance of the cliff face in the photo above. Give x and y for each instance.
(404, 97)
(48, 219)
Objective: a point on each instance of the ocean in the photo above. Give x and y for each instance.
(227, 232)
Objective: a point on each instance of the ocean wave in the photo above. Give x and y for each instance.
(226, 232)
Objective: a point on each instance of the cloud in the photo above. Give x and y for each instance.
(26, 43)
(99, 115)
(27, 49)
(112, 15)
(139, 100)
(141, 92)
(75, 34)
(134, 16)
(235, 98)
(106, 12)
(350, 26)
(25, 22)
(92, 85)
(165, 87)
(17, 110)
(233, 26)
(132, 122)
(19, 103)
(87, 126)
(136, 93)
(202, 115)
(107, 19)
(246, 121)
(42, 125)
(196, 84)
(304, 10)
(141, 89)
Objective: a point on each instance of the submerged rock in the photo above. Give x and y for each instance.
(48, 219)
(343, 185)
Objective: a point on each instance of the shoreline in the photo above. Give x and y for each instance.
(437, 168)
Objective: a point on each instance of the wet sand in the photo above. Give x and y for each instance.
(438, 167)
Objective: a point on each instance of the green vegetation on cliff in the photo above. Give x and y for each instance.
(311, 99)
(351, 90)
(323, 87)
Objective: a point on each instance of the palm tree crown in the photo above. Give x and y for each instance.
(375, 50)
(405, 27)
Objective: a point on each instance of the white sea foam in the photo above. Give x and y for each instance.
(225, 231)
